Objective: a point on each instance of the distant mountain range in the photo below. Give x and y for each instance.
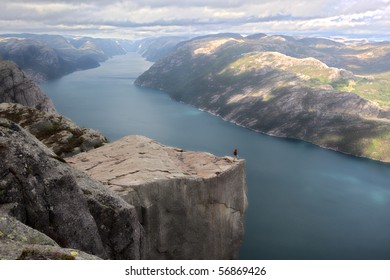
(155, 48)
(46, 57)
(333, 94)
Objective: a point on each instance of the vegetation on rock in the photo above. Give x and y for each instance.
(329, 93)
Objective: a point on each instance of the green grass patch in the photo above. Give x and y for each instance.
(375, 88)
(379, 146)
(48, 131)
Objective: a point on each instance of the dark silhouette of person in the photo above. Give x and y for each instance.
(235, 153)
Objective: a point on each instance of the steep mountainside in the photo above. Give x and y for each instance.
(285, 87)
(45, 57)
(15, 87)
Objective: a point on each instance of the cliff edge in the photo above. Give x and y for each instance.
(190, 204)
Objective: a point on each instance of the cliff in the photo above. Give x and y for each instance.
(191, 205)
(15, 87)
(44, 204)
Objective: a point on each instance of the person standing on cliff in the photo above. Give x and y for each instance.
(235, 153)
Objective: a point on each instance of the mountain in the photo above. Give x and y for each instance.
(101, 48)
(299, 88)
(38, 60)
(47, 57)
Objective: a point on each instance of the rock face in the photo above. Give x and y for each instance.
(20, 242)
(45, 194)
(55, 131)
(15, 87)
(191, 205)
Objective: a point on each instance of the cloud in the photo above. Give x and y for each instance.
(138, 17)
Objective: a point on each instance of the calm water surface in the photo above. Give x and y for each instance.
(304, 202)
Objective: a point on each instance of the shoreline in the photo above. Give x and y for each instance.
(279, 136)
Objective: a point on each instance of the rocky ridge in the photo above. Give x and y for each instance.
(58, 133)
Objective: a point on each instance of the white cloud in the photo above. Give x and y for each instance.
(140, 17)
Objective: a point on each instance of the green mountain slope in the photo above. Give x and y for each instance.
(283, 87)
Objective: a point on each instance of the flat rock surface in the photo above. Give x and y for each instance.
(135, 160)
(191, 205)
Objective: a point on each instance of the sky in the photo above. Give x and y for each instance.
(135, 19)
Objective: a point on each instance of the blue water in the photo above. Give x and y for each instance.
(304, 202)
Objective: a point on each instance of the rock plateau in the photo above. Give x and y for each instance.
(190, 204)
